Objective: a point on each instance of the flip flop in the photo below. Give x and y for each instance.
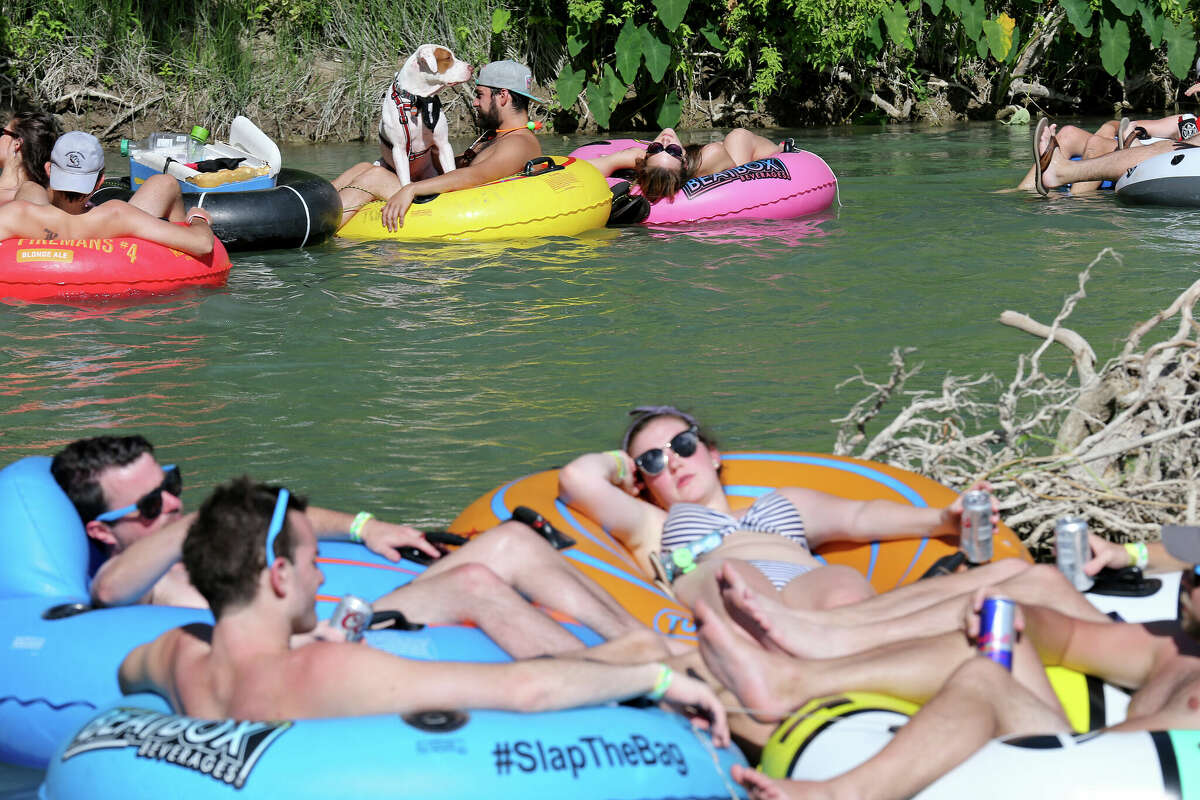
(1122, 134)
(1042, 160)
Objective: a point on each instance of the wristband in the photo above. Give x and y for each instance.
(360, 519)
(661, 683)
(616, 454)
(202, 216)
(1139, 556)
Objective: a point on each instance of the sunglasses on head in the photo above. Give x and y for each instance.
(654, 148)
(683, 445)
(277, 518)
(149, 505)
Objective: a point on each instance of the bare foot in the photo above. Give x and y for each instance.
(1051, 178)
(750, 672)
(774, 625)
(760, 787)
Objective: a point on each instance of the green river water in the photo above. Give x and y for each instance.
(409, 379)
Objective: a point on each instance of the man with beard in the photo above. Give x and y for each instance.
(507, 142)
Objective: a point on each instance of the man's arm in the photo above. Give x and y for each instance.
(385, 683)
(118, 218)
(384, 538)
(1124, 654)
(504, 157)
(130, 576)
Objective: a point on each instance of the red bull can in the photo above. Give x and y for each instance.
(997, 630)
(352, 616)
(975, 535)
(1071, 544)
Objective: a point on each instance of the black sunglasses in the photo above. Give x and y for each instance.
(683, 445)
(149, 505)
(654, 148)
(7, 132)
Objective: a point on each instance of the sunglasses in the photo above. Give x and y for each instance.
(683, 445)
(7, 132)
(277, 518)
(149, 505)
(674, 150)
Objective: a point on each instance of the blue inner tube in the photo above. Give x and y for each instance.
(302, 209)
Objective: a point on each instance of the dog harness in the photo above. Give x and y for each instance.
(411, 106)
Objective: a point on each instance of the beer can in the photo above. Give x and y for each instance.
(975, 536)
(997, 621)
(352, 616)
(1071, 542)
(1187, 126)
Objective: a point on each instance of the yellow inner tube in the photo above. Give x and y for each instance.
(552, 196)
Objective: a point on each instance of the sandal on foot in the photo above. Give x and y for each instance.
(1042, 160)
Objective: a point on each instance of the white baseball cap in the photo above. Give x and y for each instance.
(75, 162)
(508, 75)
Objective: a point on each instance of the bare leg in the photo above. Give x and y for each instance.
(527, 562)
(1107, 167)
(376, 183)
(979, 702)
(744, 146)
(160, 197)
(812, 635)
(473, 593)
(351, 175)
(770, 685)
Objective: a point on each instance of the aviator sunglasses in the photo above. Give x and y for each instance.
(683, 445)
(149, 505)
(674, 150)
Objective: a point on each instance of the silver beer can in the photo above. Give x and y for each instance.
(352, 616)
(1071, 542)
(975, 537)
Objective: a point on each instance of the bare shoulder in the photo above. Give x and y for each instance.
(508, 154)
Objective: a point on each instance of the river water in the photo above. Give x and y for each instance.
(408, 379)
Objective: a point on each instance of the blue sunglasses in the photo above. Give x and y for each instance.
(149, 505)
(277, 518)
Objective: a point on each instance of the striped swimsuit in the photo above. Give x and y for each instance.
(771, 513)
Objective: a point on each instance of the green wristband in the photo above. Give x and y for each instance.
(356, 527)
(661, 683)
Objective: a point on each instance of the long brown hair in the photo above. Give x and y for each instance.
(658, 182)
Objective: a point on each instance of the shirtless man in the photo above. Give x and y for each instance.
(502, 102)
(26, 220)
(252, 553)
(130, 505)
(970, 700)
(76, 170)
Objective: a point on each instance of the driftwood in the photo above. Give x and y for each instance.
(1115, 444)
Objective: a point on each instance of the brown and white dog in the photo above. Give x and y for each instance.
(413, 122)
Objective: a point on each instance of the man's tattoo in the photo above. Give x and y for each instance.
(49, 234)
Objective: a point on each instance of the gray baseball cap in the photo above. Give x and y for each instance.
(76, 162)
(508, 75)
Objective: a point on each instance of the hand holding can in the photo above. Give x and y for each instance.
(351, 617)
(976, 532)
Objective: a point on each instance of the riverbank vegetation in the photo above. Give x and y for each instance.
(314, 69)
(1115, 443)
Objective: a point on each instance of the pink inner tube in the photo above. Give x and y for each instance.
(782, 186)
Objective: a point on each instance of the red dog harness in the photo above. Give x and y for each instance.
(410, 106)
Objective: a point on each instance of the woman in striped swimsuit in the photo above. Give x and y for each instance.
(661, 494)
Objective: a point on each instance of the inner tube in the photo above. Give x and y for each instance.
(1167, 179)
(40, 270)
(746, 476)
(302, 209)
(552, 196)
(782, 186)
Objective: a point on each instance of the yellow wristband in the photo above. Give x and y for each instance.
(1139, 556)
(617, 456)
(360, 519)
(661, 683)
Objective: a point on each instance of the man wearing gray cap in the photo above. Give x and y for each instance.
(76, 170)
(502, 95)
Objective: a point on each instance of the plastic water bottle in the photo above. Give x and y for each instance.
(185, 147)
